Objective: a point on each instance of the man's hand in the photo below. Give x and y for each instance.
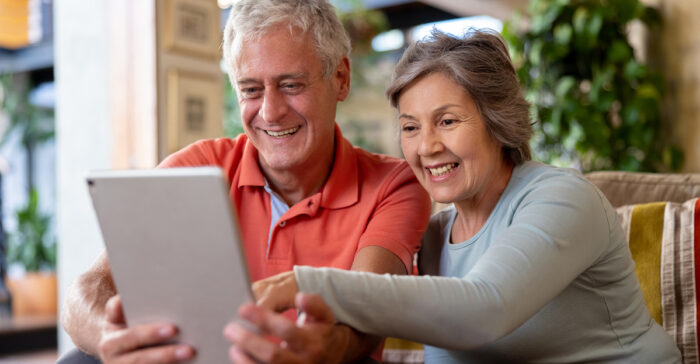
(120, 344)
(315, 338)
(276, 293)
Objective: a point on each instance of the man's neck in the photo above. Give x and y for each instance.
(294, 185)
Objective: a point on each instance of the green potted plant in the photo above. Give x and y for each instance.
(29, 245)
(597, 106)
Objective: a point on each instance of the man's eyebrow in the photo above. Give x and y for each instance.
(285, 76)
(293, 75)
(244, 81)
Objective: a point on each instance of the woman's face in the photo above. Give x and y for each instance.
(445, 141)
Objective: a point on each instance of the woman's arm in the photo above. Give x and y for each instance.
(558, 230)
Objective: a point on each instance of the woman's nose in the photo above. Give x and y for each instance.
(430, 142)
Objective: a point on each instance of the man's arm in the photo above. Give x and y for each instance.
(83, 312)
(375, 259)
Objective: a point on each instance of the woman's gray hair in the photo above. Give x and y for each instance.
(479, 62)
(251, 18)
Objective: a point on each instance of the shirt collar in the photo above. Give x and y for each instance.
(250, 170)
(341, 188)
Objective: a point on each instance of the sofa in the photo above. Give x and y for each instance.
(661, 215)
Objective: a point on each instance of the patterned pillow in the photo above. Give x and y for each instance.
(398, 351)
(662, 238)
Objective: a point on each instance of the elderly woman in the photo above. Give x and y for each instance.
(529, 263)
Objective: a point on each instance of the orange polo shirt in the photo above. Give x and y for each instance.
(368, 199)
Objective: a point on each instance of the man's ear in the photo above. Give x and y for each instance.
(342, 77)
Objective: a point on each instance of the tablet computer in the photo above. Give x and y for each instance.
(175, 251)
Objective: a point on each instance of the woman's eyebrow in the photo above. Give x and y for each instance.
(437, 111)
(444, 108)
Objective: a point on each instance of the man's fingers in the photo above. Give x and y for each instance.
(314, 308)
(160, 355)
(266, 303)
(270, 323)
(258, 289)
(253, 348)
(238, 356)
(127, 340)
(114, 312)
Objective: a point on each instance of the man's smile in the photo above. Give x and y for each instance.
(282, 133)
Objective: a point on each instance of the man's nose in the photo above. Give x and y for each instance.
(273, 107)
(430, 142)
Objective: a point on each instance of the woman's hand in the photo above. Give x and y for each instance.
(276, 293)
(314, 339)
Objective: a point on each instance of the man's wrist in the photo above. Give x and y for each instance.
(340, 349)
(355, 345)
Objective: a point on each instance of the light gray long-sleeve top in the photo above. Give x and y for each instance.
(548, 278)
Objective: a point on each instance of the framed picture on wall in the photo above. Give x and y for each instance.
(192, 27)
(194, 107)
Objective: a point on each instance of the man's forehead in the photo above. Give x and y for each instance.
(276, 55)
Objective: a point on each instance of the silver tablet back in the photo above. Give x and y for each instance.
(175, 251)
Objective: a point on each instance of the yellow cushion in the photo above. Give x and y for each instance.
(663, 237)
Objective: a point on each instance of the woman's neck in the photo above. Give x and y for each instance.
(472, 213)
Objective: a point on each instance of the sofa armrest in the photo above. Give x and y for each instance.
(627, 188)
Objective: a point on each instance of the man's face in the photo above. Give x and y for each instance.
(287, 107)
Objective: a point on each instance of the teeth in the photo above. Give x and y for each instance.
(283, 132)
(442, 170)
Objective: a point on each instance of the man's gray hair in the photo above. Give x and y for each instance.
(251, 18)
(478, 62)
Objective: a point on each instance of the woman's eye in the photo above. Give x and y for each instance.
(448, 121)
(409, 128)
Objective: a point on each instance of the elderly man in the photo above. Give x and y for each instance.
(303, 194)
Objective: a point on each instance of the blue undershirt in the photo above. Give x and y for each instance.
(277, 209)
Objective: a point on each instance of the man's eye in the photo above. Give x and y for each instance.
(250, 92)
(292, 87)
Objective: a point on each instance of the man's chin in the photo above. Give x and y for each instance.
(280, 162)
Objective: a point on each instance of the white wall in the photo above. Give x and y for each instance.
(83, 131)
